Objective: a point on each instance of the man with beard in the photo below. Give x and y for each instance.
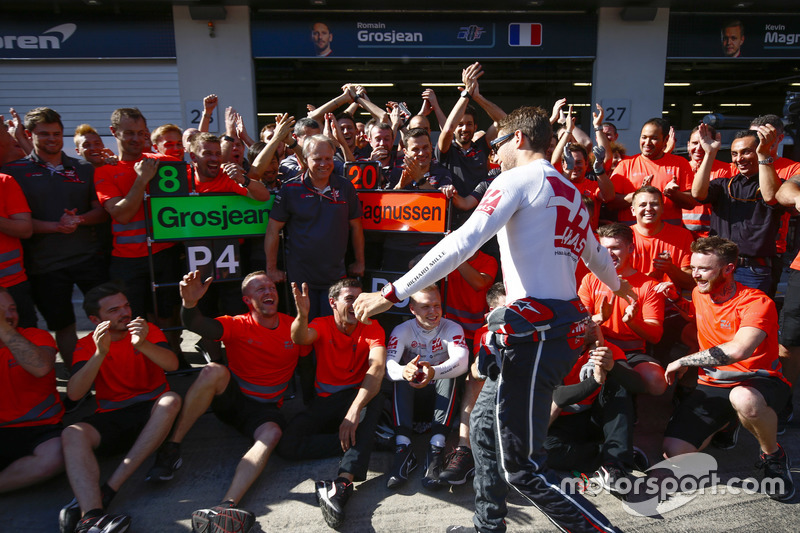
(125, 360)
(351, 360)
(744, 208)
(543, 232)
(211, 175)
(65, 249)
(740, 378)
(247, 393)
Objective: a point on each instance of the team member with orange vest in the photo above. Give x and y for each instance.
(125, 360)
(467, 286)
(30, 406)
(351, 361)
(120, 188)
(740, 379)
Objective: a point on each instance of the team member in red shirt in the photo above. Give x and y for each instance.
(669, 173)
(120, 189)
(125, 360)
(740, 377)
(247, 393)
(351, 361)
(661, 251)
(15, 224)
(627, 325)
(166, 139)
(211, 175)
(30, 407)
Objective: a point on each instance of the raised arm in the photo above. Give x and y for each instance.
(363, 100)
(301, 333)
(347, 97)
(470, 78)
(703, 175)
(768, 179)
(192, 289)
(283, 133)
(209, 104)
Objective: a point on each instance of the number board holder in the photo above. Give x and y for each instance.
(363, 174)
(171, 179)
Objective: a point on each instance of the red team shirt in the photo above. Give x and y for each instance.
(26, 400)
(111, 181)
(12, 202)
(698, 220)
(127, 376)
(261, 360)
(343, 360)
(222, 183)
(593, 292)
(630, 173)
(673, 239)
(718, 323)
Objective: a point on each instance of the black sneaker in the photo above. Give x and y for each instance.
(434, 462)
(608, 476)
(727, 438)
(106, 523)
(404, 463)
(460, 465)
(168, 460)
(776, 468)
(69, 517)
(223, 518)
(332, 497)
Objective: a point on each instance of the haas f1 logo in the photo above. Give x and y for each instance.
(572, 218)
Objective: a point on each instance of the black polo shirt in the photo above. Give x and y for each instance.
(740, 214)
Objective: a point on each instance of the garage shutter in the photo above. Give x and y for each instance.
(88, 91)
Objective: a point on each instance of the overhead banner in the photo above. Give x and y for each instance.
(421, 212)
(69, 37)
(731, 37)
(395, 35)
(208, 216)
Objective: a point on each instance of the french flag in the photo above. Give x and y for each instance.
(525, 34)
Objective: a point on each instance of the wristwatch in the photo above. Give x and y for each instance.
(465, 94)
(767, 161)
(388, 292)
(246, 182)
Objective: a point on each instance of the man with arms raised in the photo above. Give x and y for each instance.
(247, 393)
(740, 378)
(543, 231)
(351, 360)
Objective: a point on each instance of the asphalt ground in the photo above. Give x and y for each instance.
(283, 500)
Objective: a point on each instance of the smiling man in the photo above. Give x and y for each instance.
(246, 393)
(740, 378)
(669, 173)
(342, 417)
(424, 357)
(744, 208)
